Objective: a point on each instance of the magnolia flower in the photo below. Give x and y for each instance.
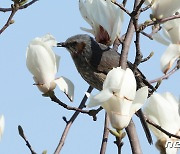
(2, 123)
(163, 8)
(43, 63)
(119, 97)
(171, 38)
(104, 17)
(162, 109)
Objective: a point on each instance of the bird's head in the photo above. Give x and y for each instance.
(77, 44)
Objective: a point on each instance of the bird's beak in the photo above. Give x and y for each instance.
(61, 44)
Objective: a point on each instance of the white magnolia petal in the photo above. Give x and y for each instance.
(172, 29)
(118, 121)
(57, 62)
(45, 87)
(171, 150)
(168, 58)
(140, 98)
(161, 8)
(100, 98)
(159, 38)
(161, 112)
(114, 78)
(2, 124)
(128, 87)
(87, 30)
(49, 40)
(66, 86)
(41, 60)
(100, 13)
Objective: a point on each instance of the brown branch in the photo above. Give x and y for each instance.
(70, 122)
(146, 8)
(20, 8)
(121, 6)
(105, 135)
(161, 129)
(92, 113)
(9, 21)
(21, 133)
(160, 21)
(133, 139)
(166, 76)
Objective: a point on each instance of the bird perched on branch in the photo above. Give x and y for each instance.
(94, 60)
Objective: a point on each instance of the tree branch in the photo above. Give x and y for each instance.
(161, 129)
(20, 8)
(21, 133)
(70, 122)
(105, 135)
(92, 113)
(133, 139)
(166, 76)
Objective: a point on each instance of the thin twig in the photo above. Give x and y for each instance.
(160, 21)
(21, 133)
(9, 21)
(121, 6)
(147, 58)
(146, 8)
(161, 129)
(92, 113)
(70, 122)
(105, 135)
(21, 7)
(166, 76)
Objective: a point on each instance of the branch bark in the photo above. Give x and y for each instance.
(70, 122)
(105, 135)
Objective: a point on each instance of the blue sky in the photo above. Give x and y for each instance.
(22, 103)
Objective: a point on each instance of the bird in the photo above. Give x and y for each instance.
(94, 60)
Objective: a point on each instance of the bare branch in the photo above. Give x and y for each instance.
(92, 113)
(9, 21)
(105, 135)
(166, 76)
(161, 129)
(70, 122)
(121, 6)
(21, 7)
(21, 133)
(160, 21)
(134, 141)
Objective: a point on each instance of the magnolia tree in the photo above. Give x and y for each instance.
(101, 58)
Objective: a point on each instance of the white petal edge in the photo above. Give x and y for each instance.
(168, 58)
(66, 86)
(2, 124)
(100, 98)
(140, 98)
(128, 87)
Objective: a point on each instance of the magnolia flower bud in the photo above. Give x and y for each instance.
(119, 97)
(104, 17)
(162, 109)
(2, 124)
(43, 63)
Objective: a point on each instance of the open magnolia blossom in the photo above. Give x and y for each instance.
(104, 17)
(119, 97)
(171, 38)
(2, 123)
(43, 63)
(163, 109)
(163, 8)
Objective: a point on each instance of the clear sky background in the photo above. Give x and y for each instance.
(22, 103)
